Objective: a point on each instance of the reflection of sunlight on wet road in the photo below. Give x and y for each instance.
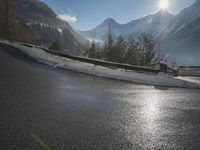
(151, 113)
(147, 117)
(151, 109)
(143, 122)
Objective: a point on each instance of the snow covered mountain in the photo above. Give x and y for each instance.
(186, 16)
(100, 32)
(182, 44)
(153, 24)
(178, 36)
(159, 24)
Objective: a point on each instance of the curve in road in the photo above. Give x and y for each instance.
(45, 108)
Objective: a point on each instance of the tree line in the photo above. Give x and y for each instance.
(140, 51)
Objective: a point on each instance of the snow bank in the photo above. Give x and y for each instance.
(160, 79)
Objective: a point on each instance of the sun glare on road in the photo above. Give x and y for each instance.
(164, 4)
(151, 111)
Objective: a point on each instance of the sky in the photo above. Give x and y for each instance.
(87, 14)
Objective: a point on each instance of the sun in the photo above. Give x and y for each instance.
(164, 4)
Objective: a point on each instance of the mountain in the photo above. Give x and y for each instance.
(177, 36)
(34, 22)
(158, 24)
(186, 16)
(182, 44)
(153, 24)
(101, 31)
(183, 47)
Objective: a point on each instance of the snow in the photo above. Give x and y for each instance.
(191, 79)
(95, 40)
(43, 25)
(160, 79)
(60, 30)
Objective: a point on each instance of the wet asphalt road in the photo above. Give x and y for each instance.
(45, 108)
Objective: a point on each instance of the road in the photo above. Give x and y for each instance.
(45, 108)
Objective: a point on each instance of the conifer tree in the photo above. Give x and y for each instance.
(91, 52)
(119, 50)
(147, 51)
(108, 49)
(132, 54)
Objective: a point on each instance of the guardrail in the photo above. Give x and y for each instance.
(28, 45)
(189, 67)
(98, 62)
(104, 63)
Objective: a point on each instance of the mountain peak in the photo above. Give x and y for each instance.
(163, 13)
(160, 17)
(111, 22)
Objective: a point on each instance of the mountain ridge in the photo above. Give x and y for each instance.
(136, 25)
(172, 33)
(39, 25)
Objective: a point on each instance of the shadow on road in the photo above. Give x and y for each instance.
(162, 88)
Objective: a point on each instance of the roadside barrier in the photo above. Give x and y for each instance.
(113, 65)
(104, 63)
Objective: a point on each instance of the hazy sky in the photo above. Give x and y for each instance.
(87, 14)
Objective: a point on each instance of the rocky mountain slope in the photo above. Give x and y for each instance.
(182, 44)
(33, 21)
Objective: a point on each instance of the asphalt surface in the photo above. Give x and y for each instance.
(45, 108)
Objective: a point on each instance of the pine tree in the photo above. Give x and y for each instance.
(119, 50)
(91, 52)
(132, 54)
(108, 49)
(147, 51)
